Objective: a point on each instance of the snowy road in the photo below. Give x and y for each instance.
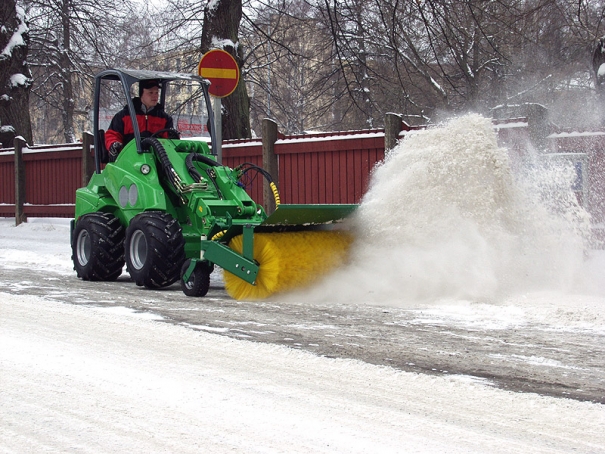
(84, 379)
(109, 367)
(502, 345)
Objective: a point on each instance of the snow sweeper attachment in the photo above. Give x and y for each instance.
(169, 211)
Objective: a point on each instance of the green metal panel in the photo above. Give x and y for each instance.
(301, 215)
(230, 260)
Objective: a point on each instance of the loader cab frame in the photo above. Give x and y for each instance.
(127, 78)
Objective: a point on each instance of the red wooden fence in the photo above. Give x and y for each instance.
(587, 151)
(328, 169)
(52, 173)
(318, 168)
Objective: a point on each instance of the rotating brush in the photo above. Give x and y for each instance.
(288, 260)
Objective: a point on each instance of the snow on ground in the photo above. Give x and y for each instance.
(86, 379)
(82, 379)
(41, 243)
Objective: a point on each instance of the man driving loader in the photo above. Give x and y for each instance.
(150, 115)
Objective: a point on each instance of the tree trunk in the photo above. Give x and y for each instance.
(15, 77)
(220, 31)
(68, 92)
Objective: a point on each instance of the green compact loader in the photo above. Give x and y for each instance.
(170, 211)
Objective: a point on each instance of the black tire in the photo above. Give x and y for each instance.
(154, 249)
(98, 247)
(199, 281)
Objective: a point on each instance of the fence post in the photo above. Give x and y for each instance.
(20, 216)
(270, 162)
(88, 163)
(538, 125)
(392, 128)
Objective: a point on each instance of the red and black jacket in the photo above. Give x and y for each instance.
(121, 129)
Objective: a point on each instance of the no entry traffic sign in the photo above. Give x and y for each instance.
(221, 69)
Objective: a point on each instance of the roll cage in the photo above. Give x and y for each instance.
(127, 78)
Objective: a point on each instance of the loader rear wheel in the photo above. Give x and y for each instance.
(98, 247)
(199, 281)
(154, 249)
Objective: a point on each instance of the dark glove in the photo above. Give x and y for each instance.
(114, 149)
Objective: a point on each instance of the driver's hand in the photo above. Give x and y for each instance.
(114, 150)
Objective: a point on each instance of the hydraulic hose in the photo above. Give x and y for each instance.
(247, 167)
(195, 174)
(164, 161)
(218, 235)
(275, 193)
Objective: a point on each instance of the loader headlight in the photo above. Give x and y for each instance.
(145, 169)
(133, 195)
(128, 195)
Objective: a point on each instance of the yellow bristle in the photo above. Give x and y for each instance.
(288, 260)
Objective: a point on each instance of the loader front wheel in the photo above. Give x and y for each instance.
(199, 281)
(98, 247)
(154, 249)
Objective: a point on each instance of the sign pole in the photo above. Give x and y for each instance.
(218, 128)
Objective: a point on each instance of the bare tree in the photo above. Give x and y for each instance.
(15, 77)
(71, 40)
(342, 64)
(331, 64)
(191, 28)
(431, 56)
(290, 67)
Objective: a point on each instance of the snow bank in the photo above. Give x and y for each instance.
(41, 243)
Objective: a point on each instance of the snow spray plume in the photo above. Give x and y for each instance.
(446, 217)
